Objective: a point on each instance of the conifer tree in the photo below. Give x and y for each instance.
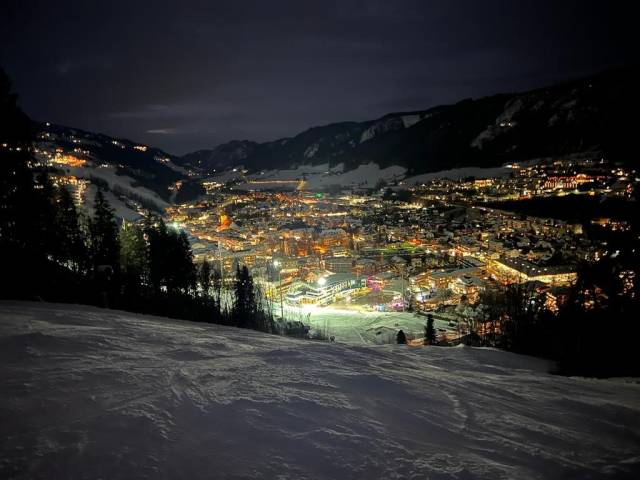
(21, 240)
(44, 212)
(217, 289)
(182, 273)
(171, 266)
(16, 180)
(105, 249)
(70, 244)
(134, 260)
(157, 234)
(240, 308)
(429, 331)
(205, 278)
(247, 309)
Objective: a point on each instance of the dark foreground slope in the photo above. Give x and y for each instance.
(89, 393)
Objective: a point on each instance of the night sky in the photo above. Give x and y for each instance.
(189, 75)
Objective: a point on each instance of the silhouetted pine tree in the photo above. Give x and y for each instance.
(243, 302)
(182, 273)
(158, 235)
(429, 331)
(44, 215)
(105, 249)
(71, 248)
(205, 278)
(45, 252)
(249, 308)
(216, 283)
(134, 263)
(22, 254)
(171, 266)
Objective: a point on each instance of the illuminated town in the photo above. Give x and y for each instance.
(359, 240)
(430, 250)
(356, 262)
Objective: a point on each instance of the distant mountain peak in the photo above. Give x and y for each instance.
(576, 116)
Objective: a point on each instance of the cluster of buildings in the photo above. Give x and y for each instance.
(443, 244)
(432, 251)
(576, 174)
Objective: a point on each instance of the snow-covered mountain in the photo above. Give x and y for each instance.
(593, 114)
(591, 117)
(134, 174)
(223, 156)
(91, 393)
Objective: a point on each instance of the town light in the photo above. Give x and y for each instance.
(322, 281)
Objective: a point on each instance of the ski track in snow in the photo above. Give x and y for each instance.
(91, 393)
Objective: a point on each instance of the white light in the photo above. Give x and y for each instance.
(276, 263)
(322, 281)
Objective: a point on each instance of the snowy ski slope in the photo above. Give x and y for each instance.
(91, 393)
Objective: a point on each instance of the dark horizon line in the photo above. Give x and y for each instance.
(566, 81)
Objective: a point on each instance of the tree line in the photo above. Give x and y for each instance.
(591, 328)
(594, 330)
(52, 252)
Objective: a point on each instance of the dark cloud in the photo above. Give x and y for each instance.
(188, 75)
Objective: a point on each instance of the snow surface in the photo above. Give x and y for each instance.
(91, 393)
(365, 175)
(321, 176)
(389, 124)
(459, 173)
(492, 131)
(176, 168)
(318, 177)
(411, 120)
(381, 127)
(356, 326)
(296, 173)
(121, 210)
(311, 150)
(126, 183)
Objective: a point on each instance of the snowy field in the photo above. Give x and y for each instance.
(90, 393)
(459, 173)
(356, 327)
(318, 177)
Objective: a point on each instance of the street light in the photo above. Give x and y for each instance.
(221, 265)
(276, 263)
(322, 281)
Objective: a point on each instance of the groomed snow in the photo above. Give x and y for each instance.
(321, 176)
(90, 393)
(318, 177)
(126, 183)
(121, 210)
(459, 173)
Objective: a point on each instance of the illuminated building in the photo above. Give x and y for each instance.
(519, 271)
(68, 160)
(322, 292)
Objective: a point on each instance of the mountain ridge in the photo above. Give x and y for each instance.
(570, 117)
(590, 116)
